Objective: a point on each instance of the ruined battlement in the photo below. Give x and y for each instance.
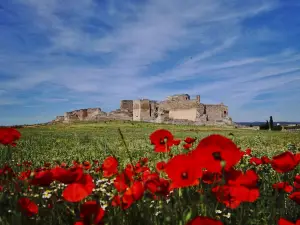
(174, 108)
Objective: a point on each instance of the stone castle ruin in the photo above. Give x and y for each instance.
(176, 109)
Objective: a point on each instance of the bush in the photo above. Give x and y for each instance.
(277, 128)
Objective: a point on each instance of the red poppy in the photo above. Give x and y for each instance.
(247, 152)
(24, 175)
(295, 196)
(297, 181)
(255, 161)
(120, 182)
(132, 194)
(42, 178)
(187, 146)
(265, 160)
(214, 149)
(283, 221)
(189, 140)
(110, 166)
(284, 162)
(162, 139)
(91, 210)
(28, 207)
(86, 165)
(240, 187)
(204, 220)
(284, 186)
(160, 166)
(210, 178)
(181, 170)
(9, 136)
(67, 176)
(75, 192)
(176, 142)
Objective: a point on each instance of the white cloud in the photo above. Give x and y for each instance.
(204, 36)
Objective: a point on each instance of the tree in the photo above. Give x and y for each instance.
(271, 125)
(267, 125)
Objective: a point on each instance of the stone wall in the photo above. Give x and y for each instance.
(181, 97)
(216, 112)
(183, 114)
(174, 105)
(126, 105)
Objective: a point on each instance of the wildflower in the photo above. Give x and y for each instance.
(199, 220)
(189, 140)
(295, 196)
(283, 221)
(91, 210)
(43, 178)
(176, 142)
(28, 207)
(187, 146)
(297, 181)
(283, 186)
(214, 149)
(67, 176)
(240, 187)
(79, 190)
(181, 170)
(86, 165)
(162, 139)
(9, 136)
(110, 166)
(284, 162)
(160, 166)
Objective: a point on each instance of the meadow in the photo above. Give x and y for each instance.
(89, 144)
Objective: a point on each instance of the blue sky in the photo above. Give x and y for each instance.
(58, 57)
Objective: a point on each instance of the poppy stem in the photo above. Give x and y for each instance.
(126, 147)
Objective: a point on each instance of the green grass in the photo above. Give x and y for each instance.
(87, 141)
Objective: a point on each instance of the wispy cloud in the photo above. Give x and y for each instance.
(95, 53)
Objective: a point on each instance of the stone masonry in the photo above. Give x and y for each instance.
(175, 109)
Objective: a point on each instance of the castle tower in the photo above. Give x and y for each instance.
(198, 98)
(141, 110)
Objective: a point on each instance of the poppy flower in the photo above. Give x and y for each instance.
(67, 176)
(283, 221)
(247, 152)
(295, 196)
(255, 161)
(120, 182)
(265, 160)
(189, 140)
(181, 170)
(162, 140)
(210, 178)
(86, 165)
(28, 207)
(176, 142)
(79, 190)
(42, 178)
(240, 187)
(215, 148)
(204, 220)
(187, 146)
(284, 186)
(132, 194)
(9, 136)
(91, 210)
(160, 166)
(110, 166)
(284, 162)
(297, 181)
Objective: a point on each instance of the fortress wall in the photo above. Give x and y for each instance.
(216, 112)
(126, 105)
(183, 114)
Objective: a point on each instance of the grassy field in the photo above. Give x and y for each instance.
(87, 141)
(96, 141)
